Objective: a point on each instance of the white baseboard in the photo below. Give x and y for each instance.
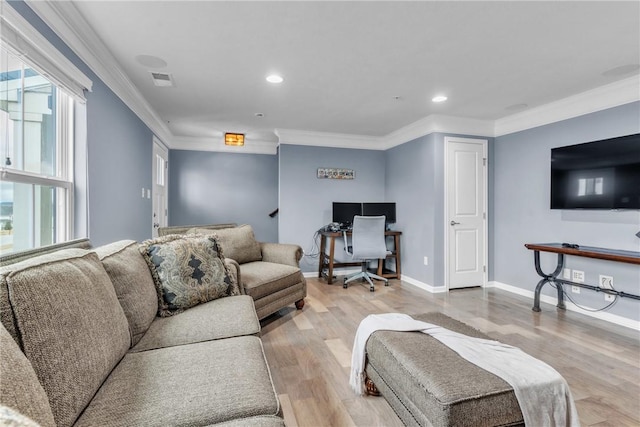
(422, 285)
(607, 317)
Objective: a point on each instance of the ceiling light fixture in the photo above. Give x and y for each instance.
(439, 98)
(235, 139)
(274, 78)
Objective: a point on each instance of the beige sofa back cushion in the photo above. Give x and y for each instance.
(19, 386)
(133, 283)
(70, 326)
(238, 243)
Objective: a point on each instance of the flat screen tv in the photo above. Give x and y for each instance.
(375, 209)
(597, 175)
(343, 212)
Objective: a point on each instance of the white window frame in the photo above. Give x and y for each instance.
(23, 41)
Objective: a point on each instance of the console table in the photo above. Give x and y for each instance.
(630, 257)
(327, 261)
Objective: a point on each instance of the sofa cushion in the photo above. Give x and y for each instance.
(198, 384)
(19, 385)
(133, 283)
(259, 421)
(238, 243)
(187, 270)
(265, 278)
(71, 325)
(222, 318)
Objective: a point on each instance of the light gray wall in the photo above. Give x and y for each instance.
(415, 177)
(411, 182)
(209, 188)
(118, 150)
(305, 200)
(522, 214)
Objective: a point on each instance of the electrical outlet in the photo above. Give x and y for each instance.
(426, 260)
(577, 276)
(606, 282)
(143, 193)
(575, 289)
(566, 274)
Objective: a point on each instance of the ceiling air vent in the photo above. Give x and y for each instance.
(162, 79)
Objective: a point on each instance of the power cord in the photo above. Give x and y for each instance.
(314, 251)
(592, 310)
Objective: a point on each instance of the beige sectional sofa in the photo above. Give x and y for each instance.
(270, 272)
(81, 345)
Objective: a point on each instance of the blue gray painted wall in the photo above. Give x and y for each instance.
(522, 214)
(208, 188)
(411, 181)
(306, 201)
(415, 177)
(119, 147)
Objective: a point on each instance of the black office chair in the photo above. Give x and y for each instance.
(367, 243)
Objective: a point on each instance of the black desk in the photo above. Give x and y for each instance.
(630, 257)
(327, 261)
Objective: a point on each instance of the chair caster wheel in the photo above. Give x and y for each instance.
(371, 289)
(386, 283)
(345, 285)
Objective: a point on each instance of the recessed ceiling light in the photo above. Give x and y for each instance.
(516, 107)
(274, 78)
(439, 98)
(151, 61)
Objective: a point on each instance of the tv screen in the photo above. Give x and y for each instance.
(343, 212)
(375, 209)
(597, 175)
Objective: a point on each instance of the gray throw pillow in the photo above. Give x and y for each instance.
(188, 270)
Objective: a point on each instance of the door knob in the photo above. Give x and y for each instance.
(156, 225)
(454, 223)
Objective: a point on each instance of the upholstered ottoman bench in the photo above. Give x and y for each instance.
(428, 384)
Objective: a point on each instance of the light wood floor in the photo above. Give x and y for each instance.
(309, 351)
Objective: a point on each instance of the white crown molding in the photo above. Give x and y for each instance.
(327, 139)
(67, 22)
(251, 146)
(603, 97)
(438, 123)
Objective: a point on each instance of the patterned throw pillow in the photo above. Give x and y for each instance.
(187, 271)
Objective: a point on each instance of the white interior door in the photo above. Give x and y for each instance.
(466, 212)
(160, 189)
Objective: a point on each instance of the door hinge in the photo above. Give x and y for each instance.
(484, 268)
(484, 215)
(484, 161)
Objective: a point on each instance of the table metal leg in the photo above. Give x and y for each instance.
(546, 278)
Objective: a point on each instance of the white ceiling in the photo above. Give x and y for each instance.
(345, 62)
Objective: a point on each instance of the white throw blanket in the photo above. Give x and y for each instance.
(543, 394)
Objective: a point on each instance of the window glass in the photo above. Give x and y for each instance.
(34, 196)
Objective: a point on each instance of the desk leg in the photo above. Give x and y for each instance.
(323, 244)
(396, 242)
(546, 278)
(332, 249)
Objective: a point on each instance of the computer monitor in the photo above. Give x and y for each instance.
(388, 209)
(343, 212)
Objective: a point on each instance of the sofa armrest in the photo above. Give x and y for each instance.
(234, 268)
(281, 253)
